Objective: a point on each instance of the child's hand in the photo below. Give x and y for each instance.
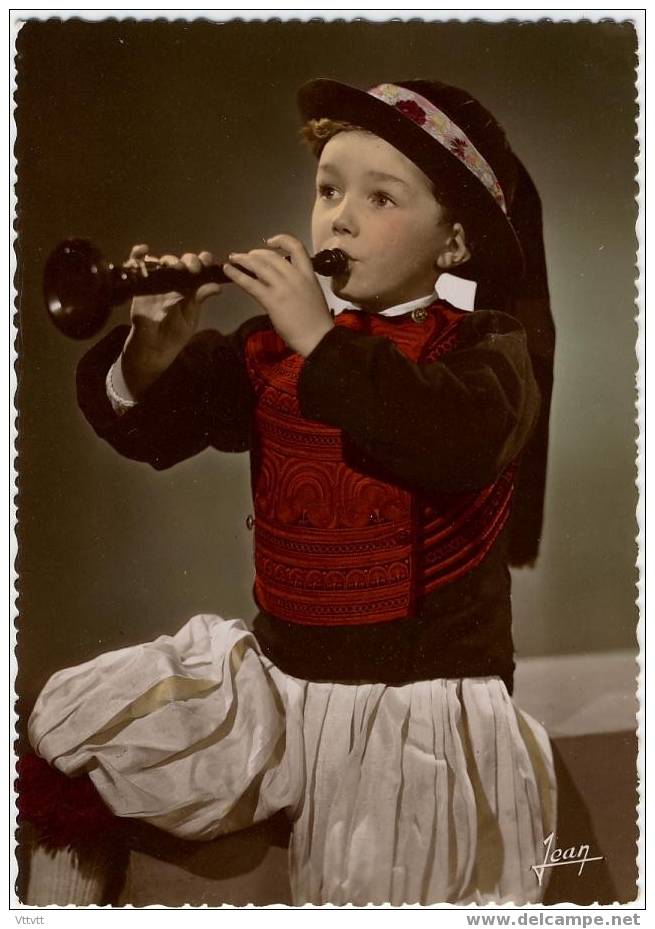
(287, 290)
(162, 324)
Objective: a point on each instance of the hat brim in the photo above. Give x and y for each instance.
(499, 250)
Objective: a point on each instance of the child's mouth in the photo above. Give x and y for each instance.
(348, 266)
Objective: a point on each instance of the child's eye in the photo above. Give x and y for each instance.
(380, 198)
(327, 191)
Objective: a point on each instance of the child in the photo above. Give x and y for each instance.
(372, 702)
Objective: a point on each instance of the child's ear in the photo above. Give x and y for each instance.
(455, 252)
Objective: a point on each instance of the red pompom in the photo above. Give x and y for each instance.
(66, 811)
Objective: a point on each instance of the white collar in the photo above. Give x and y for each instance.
(456, 290)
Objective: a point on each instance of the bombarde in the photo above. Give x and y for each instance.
(80, 286)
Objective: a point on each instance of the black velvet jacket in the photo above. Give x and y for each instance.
(448, 425)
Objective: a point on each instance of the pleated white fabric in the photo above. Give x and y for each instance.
(435, 791)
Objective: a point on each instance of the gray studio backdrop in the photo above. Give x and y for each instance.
(184, 136)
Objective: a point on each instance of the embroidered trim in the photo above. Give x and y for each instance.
(334, 545)
(441, 127)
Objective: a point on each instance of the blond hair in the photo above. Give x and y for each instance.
(318, 132)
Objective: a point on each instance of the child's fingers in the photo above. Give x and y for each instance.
(171, 261)
(192, 262)
(205, 291)
(299, 256)
(267, 265)
(139, 251)
(247, 283)
(137, 259)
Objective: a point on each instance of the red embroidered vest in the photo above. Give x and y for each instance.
(337, 546)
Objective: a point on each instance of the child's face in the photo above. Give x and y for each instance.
(376, 205)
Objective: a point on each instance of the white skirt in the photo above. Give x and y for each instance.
(436, 791)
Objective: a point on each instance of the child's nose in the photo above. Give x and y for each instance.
(344, 220)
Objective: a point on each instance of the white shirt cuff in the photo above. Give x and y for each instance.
(120, 396)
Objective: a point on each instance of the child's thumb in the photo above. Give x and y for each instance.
(205, 291)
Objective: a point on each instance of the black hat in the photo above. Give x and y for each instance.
(453, 140)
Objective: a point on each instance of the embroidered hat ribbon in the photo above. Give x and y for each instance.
(438, 125)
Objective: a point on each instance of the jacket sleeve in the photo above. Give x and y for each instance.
(203, 399)
(446, 426)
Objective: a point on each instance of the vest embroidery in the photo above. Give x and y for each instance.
(334, 545)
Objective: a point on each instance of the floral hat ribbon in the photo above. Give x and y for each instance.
(437, 124)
